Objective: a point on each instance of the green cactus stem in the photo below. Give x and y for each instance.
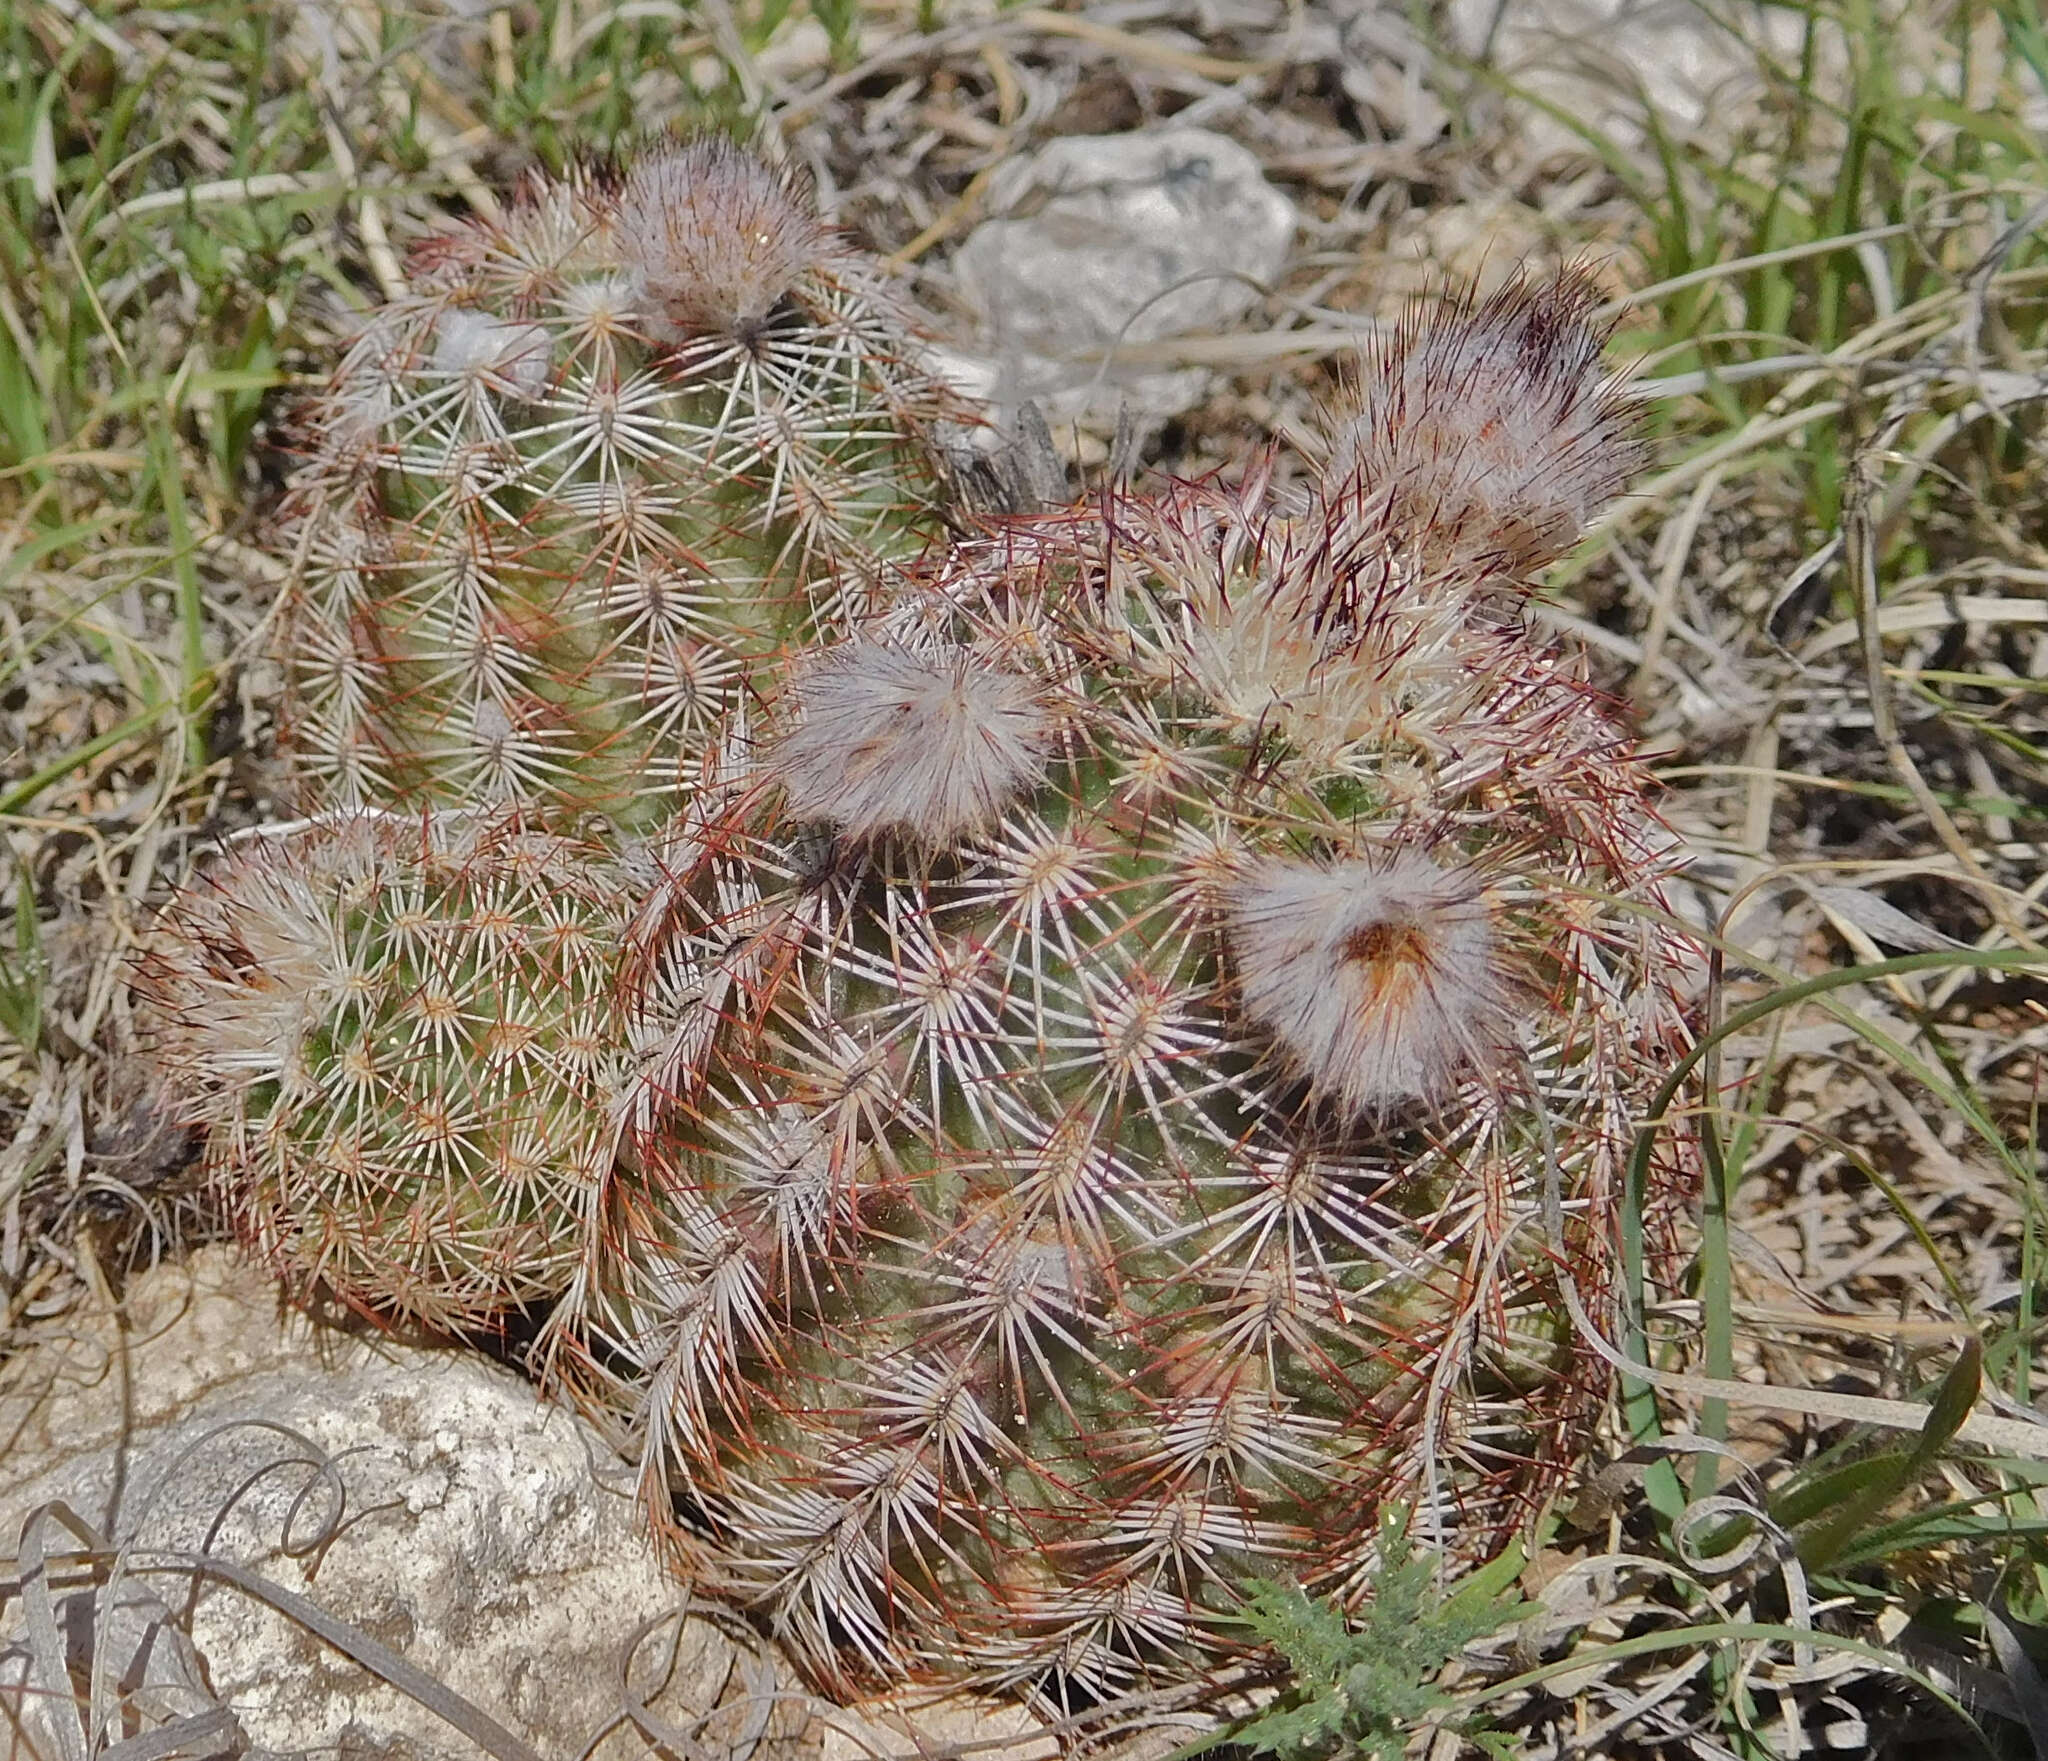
(612, 448)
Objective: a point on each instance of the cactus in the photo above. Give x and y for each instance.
(400, 1039)
(1119, 1075)
(609, 450)
(1150, 1029)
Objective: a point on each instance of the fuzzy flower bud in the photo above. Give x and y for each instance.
(1378, 980)
(718, 238)
(929, 745)
(1489, 434)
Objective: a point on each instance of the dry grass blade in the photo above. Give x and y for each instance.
(1859, 561)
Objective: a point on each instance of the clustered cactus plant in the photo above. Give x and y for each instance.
(1109, 1076)
(613, 448)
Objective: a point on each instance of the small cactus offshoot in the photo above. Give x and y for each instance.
(614, 446)
(401, 1039)
(1145, 1123)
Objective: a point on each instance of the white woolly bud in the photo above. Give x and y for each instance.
(1490, 433)
(514, 357)
(1378, 980)
(717, 238)
(601, 305)
(926, 744)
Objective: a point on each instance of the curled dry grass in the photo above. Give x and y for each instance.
(1826, 608)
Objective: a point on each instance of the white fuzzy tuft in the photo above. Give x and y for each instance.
(245, 963)
(1491, 433)
(1379, 980)
(930, 745)
(517, 358)
(718, 239)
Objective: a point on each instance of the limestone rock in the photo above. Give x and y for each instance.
(1105, 243)
(1600, 61)
(460, 1524)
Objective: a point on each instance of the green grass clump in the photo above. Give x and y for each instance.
(1844, 317)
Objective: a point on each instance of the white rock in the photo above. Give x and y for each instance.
(1101, 242)
(1599, 61)
(476, 1541)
